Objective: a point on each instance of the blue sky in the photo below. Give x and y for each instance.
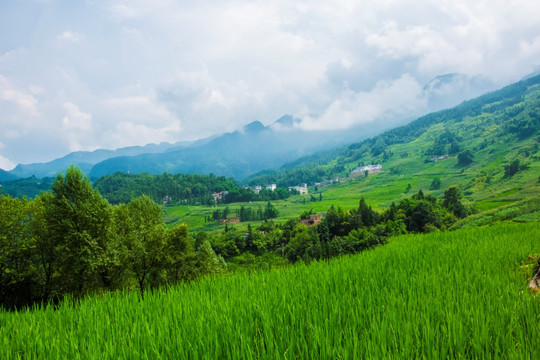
(82, 75)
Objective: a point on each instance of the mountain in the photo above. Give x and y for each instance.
(489, 146)
(6, 176)
(86, 160)
(238, 154)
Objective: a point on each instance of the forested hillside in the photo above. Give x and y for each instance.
(484, 131)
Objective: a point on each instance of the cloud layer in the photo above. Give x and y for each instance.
(107, 74)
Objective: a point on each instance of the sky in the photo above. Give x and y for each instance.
(82, 75)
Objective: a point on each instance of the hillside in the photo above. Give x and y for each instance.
(457, 294)
(487, 133)
(488, 147)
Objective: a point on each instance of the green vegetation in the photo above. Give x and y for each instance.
(71, 241)
(455, 294)
(180, 188)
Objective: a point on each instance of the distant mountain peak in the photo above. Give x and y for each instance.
(285, 120)
(254, 127)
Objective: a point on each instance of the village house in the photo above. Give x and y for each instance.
(303, 190)
(257, 189)
(437, 158)
(271, 187)
(313, 220)
(219, 195)
(371, 169)
(325, 183)
(166, 199)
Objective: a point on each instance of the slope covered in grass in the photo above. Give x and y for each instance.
(457, 294)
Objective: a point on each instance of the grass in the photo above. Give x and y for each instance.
(457, 294)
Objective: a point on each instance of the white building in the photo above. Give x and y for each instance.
(271, 187)
(303, 190)
(372, 169)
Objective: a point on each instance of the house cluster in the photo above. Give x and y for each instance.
(302, 189)
(166, 199)
(371, 169)
(437, 158)
(257, 189)
(327, 182)
(219, 195)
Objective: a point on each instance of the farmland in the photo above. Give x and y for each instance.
(441, 295)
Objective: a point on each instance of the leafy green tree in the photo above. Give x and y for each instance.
(270, 212)
(512, 168)
(452, 202)
(421, 214)
(366, 213)
(465, 157)
(208, 263)
(79, 222)
(16, 271)
(141, 230)
(47, 255)
(181, 257)
(301, 244)
(435, 184)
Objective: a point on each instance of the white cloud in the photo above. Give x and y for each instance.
(70, 36)
(6, 164)
(77, 128)
(25, 102)
(387, 101)
(130, 134)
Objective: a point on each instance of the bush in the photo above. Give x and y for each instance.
(465, 157)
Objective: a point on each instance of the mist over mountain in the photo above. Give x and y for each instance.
(86, 159)
(256, 147)
(238, 154)
(448, 90)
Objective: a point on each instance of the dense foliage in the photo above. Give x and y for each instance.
(179, 188)
(72, 241)
(30, 187)
(339, 232)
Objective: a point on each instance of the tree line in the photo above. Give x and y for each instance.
(339, 232)
(71, 241)
(188, 189)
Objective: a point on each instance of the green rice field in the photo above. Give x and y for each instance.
(460, 294)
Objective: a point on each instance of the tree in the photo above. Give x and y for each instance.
(16, 272)
(435, 184)
(512, 168)
(452, 201)
(142, 231)
(421, 214)
(465, 157)
(270, 212)
(79, 223)
(180, 255)
(208, 263)
(368, 216)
